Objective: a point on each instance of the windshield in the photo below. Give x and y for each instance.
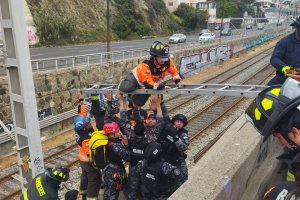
(206, 34)
(176, 35)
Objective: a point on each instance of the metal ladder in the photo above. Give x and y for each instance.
(188, 89)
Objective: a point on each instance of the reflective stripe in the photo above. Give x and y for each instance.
(134, 72)
(25, 195)
(267, 104)
(290, 177)
(83, 158)
(267, 192)
(91, 198)
(257, 114)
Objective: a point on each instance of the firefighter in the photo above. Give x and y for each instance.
(287, 190)
(286, 54)
(90, 179)
(45, 185)
(275, 111)
(156, 173)
(150, 73)
(114, 173)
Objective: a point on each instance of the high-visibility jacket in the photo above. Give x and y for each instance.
(41, 188)
(83, 154)
(147, 74)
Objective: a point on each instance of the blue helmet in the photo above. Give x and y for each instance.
(80, 122)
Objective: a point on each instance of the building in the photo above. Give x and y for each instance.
(173, 4)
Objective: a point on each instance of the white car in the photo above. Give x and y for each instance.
(207, 37)
(177, 38)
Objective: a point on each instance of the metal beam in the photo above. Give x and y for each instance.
(188, 89)
(21, 90)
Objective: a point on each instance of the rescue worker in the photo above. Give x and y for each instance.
(137, 142)
(155, 121)
(156, 173)
(114, 173)
(275, 111)
(45, 185)
(73, 195)
(101, 108)
(287, 190)
(174, 146)
(286, 54)
(90, 179)
(150, 73)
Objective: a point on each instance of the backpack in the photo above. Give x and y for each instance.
(98, 149)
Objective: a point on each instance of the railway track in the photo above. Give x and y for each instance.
(175, 102)
(218, 109)
(200, 120)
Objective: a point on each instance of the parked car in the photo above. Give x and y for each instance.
(226, 31)
(217, 27)
(9, 126)
(260, 27)
(249, 26)
(207, 36)
(204, 31)
(177, 38)
(278, 23)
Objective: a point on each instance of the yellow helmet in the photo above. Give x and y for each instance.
(259, 112)
(273, 106)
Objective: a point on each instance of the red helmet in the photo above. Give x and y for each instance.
(111, 127)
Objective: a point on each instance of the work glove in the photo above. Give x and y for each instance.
(285, 69)
(159, 86)
(179, 85)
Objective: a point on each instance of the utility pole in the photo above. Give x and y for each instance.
(107, 27)
(21, 91)
(221, 28)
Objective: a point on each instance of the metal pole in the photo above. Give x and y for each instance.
(222, 22)
(107, 27)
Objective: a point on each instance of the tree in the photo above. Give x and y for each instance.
(192, 18)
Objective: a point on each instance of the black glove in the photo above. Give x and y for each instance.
(161, 86)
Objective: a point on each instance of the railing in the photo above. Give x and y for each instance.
(99, 58)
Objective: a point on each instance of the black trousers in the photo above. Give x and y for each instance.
(90, 180)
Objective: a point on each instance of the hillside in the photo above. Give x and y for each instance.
(73, 21)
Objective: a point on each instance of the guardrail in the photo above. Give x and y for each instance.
(100, 58)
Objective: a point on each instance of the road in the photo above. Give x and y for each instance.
(75, 50)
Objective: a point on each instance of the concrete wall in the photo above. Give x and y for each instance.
(52, 88)
(237, 167)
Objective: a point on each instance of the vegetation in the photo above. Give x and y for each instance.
(234, 8)
(53, 28)
(192, 18)
(128, 21)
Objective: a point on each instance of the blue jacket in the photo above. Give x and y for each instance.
(286, 52)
